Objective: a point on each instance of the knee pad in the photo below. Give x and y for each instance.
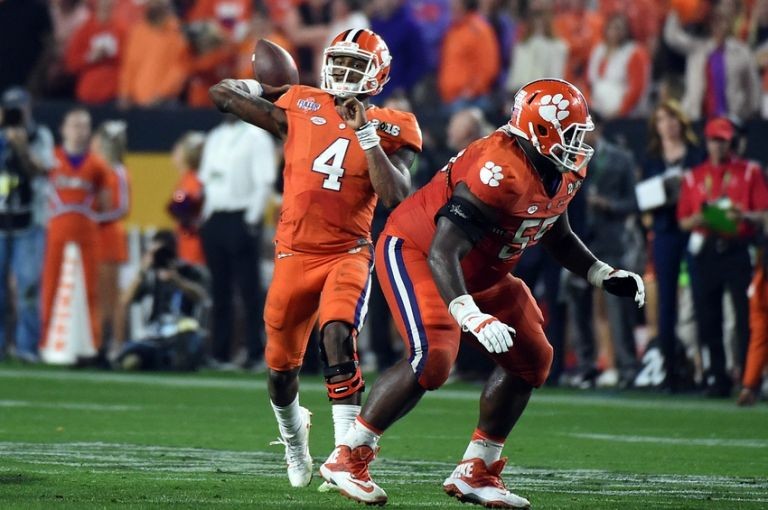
(348, 376)
(351, 383)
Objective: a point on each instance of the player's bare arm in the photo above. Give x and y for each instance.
(390, 175)
(453, 241)
(230, 98)
(461, 223)
(565, 246)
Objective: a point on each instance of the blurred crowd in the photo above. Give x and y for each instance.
(624, 54)
(687, 213)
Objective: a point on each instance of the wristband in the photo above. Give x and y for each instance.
(462, 307)
(254, 87)
(367, 136)
(598, 272)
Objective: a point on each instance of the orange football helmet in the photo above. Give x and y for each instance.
(552, 114)
(364, 45)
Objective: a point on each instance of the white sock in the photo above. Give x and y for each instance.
(359, 435)
(343, 417)
(484, 449)
(288, 418)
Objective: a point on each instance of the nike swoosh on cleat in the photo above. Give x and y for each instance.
(366, 488)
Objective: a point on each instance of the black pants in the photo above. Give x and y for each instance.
(233, 254)
(715, 270)
(668, 252)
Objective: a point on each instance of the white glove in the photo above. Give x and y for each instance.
(495, 336)
(617, 281)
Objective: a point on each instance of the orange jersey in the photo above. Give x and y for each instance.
(328, 197)
(113, 243)
(74, 183)
(185, 206)
(118, 186)
(497, 171)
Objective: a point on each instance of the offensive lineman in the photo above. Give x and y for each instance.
(444, 263)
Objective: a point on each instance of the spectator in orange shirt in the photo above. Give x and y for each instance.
(232, 16)
(213, 60)
(156, 61)
(306, 24)
(619, 72)
(93, 55)
(128, 13)
(186, 201)
(644, 17)
(469, 63)
(110, 143)
(262, 26)
(582, 30)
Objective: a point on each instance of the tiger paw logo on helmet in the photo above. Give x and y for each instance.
(554, 107)
(491, 174)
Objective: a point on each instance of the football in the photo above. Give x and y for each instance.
(273, 65)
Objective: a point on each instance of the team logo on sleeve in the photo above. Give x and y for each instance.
(554, 107)
(491, 174)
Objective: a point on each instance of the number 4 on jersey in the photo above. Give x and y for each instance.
(330, 162)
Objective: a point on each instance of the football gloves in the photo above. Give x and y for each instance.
(617, 282)
(493, 334)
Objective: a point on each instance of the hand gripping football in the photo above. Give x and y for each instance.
(272, 65)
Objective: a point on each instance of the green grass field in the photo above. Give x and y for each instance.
(78, 439)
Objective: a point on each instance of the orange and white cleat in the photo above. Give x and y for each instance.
(347, 470)
(474, 482)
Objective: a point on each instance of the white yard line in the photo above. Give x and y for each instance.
(73, 406)
(205, 382)
(682, 441)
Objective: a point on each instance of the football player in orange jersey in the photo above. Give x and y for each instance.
(446, 254)
(340, 155)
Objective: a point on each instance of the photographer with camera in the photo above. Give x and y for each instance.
(173, 339)
(26, 155)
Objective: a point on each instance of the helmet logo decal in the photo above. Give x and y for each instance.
(554, 108)
(491, 174)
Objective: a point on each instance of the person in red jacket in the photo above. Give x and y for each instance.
(94, 54)
(719, 202)
(77, 190)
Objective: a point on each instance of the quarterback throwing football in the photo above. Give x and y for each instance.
(340, 154)
(444, 262)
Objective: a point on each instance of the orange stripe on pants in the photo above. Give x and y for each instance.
(61, 230)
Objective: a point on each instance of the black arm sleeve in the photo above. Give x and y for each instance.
(465, 215)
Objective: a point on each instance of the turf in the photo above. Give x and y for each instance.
(78, 439)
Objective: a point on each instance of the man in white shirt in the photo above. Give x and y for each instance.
(238, 171)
